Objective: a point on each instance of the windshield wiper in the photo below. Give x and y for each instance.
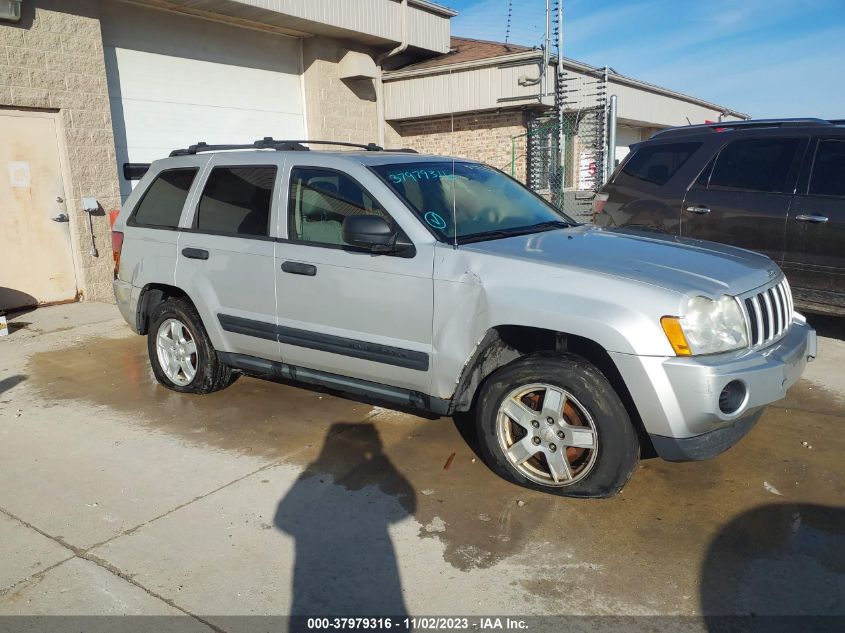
(519, 230)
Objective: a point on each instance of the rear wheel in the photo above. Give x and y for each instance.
(181, 354)
(553, 422)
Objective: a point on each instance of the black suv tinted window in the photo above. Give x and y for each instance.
(236, 200)
(755, 164)
(162, 203)
(828, 177)
(656, 163)
(319, 201)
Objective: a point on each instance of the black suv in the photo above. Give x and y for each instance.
(774, 186)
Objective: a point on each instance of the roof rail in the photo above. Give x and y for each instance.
(741, 125)
(269, 142)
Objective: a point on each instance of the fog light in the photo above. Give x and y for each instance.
(732, 397)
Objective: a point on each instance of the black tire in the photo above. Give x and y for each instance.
(211, 373)
(617, 447)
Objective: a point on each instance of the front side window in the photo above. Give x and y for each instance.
(465, 202)
(319, 201)
(236, 201)
(755, 165)
(828, 177)
(161, 206)
(655, 164)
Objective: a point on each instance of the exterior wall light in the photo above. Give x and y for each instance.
(10, 10)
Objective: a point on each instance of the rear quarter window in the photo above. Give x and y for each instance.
(655, 164)
(162, 203)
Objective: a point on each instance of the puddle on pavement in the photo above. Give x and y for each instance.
(666, 515)
(253, 416)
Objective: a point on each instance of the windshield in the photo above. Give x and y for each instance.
(465, 202)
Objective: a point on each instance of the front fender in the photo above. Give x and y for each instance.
(618, 314)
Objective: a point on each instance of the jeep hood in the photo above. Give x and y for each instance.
(679, 264)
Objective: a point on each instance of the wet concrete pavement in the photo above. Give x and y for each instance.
(119, 496)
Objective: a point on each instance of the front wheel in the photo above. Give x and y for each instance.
(553, 422)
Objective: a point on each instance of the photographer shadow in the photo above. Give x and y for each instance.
(338, 512)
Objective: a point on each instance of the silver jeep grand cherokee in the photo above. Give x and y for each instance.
(443, 285)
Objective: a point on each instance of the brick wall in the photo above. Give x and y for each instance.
(53, 60)
(337, 109)
(484, 137)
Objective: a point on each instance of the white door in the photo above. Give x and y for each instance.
(36, 261)
(175, 80)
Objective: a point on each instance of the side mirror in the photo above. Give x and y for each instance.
(367, 231)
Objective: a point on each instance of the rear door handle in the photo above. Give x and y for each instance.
(298, 268)
(814, 218)
(195, 253)
(699, 210)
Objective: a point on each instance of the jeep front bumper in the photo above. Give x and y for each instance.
(678, 397)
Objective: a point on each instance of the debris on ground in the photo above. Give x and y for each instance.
(449, 461)
(520, 503)
(770, 488)
(436, 525)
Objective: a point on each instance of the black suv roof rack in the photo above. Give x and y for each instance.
(741, 125)
(269, 142)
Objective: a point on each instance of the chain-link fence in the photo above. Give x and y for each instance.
(567, 146)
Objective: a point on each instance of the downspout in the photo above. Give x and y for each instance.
(379, 61)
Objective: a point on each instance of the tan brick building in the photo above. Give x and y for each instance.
(51, 63)
(90, 88)
(478, 99)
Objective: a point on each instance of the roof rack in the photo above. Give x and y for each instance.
(269, 142)
(742, 125)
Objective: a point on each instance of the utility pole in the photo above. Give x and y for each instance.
(559, 101)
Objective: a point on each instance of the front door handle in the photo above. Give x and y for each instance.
(814, 218)
(698, 210)
(195, 253)
(298, 268)
(62, 217)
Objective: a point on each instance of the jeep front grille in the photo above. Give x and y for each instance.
(769, 313)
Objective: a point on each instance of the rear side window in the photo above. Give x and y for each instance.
(236, 201)
(162, 203)
(755, 165)
(655, 163)
(828, 177)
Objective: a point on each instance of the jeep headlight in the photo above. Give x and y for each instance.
(708, 327)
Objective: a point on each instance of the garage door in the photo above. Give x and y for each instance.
(174, 80)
